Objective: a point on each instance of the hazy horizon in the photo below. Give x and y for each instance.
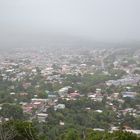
(93, 20)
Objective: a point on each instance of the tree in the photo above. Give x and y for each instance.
(26, 130)
(7, 132)
(12, 111)
(72, 135)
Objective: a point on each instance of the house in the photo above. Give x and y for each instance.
(39, 100)
(99, 98)
(92, 96)
(114, 128)
(99, 111)
(129, 94)
(26, 85)
(137, 132)
(12, 93)
(98, 90)
(96, 96)
(59, 106)
(23, 94)
(52, 95)
(99, 129)
(42, 117)
(74, 95)
(61, 123)
(115, 96)
(27, 108)
(37, 104)
(64, 91)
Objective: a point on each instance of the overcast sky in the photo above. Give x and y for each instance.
(103, 20)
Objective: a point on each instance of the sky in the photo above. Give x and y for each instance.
(102, 20)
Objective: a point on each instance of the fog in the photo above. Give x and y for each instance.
(100, 20)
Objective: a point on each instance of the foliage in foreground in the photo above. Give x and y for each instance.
(21, 130)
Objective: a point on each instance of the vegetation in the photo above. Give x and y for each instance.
(19, 130)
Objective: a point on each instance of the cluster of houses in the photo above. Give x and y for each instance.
(51, 66)
(127, 80)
